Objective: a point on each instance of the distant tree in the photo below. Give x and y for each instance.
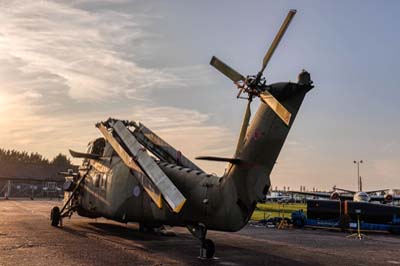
(62, 161)
(37, 158)
(22, 156)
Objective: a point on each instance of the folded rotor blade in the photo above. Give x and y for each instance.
(226, 70)
(276, 106)
(243, 130)
(174, 198)
(278, 38)
(151, 189)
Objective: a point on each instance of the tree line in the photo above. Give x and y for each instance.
(33, 157)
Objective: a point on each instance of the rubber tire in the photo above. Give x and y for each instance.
(55, 216)
(209, 246)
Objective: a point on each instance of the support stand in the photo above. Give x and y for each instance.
(283, 224)
(358, 235)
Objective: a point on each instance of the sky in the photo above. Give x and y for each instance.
(65, 65)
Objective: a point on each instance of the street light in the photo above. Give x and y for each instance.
(358, 173)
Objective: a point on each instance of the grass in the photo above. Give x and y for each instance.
(269, 210)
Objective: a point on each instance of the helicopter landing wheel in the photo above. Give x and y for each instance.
(207, 249)
(55, 216)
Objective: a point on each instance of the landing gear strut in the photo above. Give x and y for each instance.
(207, 248)
(56, 215)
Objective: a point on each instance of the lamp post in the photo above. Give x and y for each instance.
(358, 173)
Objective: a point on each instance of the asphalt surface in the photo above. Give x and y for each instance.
(26, 238)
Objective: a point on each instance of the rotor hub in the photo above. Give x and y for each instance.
(252, 85)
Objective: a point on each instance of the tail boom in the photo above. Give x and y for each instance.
(249, 181)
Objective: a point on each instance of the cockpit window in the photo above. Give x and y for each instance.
(97, 146)
(89, 147)
(364, 197)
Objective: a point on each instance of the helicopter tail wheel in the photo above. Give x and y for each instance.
(207, 249)
(55, 216)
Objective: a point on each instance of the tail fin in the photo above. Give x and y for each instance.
(262, 144)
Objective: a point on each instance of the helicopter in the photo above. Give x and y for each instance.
(130, 174)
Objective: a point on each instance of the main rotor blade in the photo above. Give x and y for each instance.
(226, 70)
(77, 154)
(243, 130)
(276, 106)
(219, 159)
(278, 38)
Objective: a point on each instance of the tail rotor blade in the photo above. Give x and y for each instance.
(276, 106)
(226, 70)
(278, 38)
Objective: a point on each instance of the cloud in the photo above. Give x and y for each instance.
(198, 136)
(85, 51)
(187, 130)
(64, 67)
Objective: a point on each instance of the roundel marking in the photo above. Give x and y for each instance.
(136, 191)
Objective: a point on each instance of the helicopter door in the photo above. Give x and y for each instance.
(97, 183)
(97, 190)
(89, 200)
(102, 191)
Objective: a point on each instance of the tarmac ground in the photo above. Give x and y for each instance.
(26, 238)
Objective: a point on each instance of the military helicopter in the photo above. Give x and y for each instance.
(133, 175)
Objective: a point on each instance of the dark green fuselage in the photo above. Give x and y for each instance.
(220, 203)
